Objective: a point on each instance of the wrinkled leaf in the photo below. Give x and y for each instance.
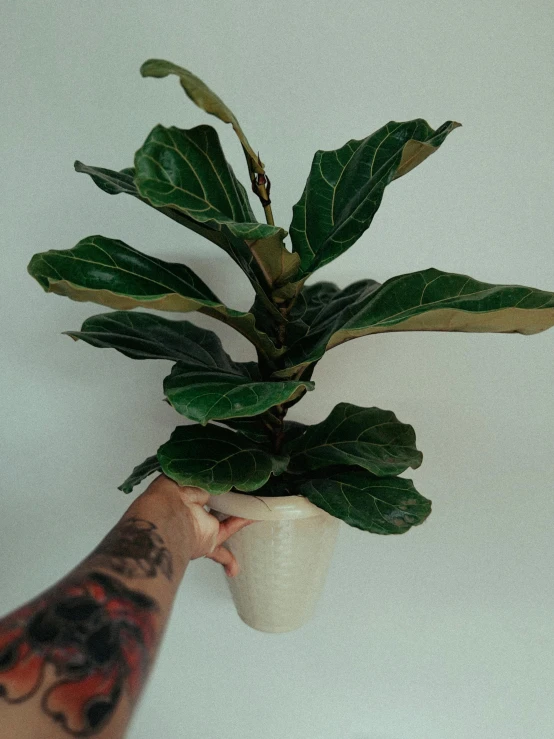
(380, 505)
(345, 187)
(200, 94)
(429, 300)
(217, 459)
(141, 471)
(351, 435)
(111, 273)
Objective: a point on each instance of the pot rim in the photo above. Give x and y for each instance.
(263, 508)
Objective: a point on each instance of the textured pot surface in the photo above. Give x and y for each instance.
(284, 558)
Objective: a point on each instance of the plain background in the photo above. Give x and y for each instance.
(443, 633)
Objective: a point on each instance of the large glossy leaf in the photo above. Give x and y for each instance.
(345, 187)
(380, 505)
(265, 260)
(109, 272)
(217, 459)
(114, 183)
(186, 170)
(141, 472)
(429, 300)
(205, 383)
(146, 336)
(202, 393)
(351, 435)
(200, 94)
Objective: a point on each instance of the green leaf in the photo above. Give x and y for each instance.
(110, 181)
(251, 427)
(380, 505)
(311, 309)
(146, 336)
(204, 395)
(345, 187)
(111, 273)
(429, 300)
(264, 260)
(217, 459)
(254, 429)
(294, 430)
(210, 385)
(141, 471)
(186, 171)
(351, 435)
(319, 310)
(200, 94)
(114, 183)
(281, 486)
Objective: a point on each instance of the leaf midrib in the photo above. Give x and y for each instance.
(362, 199)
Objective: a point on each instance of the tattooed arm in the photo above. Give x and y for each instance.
(74, 660)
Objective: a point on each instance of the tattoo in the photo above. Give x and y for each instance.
(135, 549)
(97, 634)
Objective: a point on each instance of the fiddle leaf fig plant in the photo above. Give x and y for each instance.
(350, 463)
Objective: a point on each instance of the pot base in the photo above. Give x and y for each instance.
(283, 566)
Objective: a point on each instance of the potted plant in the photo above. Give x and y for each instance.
(299, 481)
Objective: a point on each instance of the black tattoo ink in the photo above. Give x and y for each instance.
(135, 549)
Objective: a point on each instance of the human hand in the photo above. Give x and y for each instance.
(205, 534)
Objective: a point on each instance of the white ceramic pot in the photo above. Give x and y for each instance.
(283, 557)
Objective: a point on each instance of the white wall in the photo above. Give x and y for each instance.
(443, 633)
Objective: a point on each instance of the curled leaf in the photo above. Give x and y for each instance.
(201, 95)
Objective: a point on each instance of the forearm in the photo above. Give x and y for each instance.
(74, 660)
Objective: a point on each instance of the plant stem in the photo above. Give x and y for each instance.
(279, 430)
(281, 331)
(261, 186)
(264, 186)
(269, 215)
(274, 420)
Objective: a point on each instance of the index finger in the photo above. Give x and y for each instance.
(230, 526)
